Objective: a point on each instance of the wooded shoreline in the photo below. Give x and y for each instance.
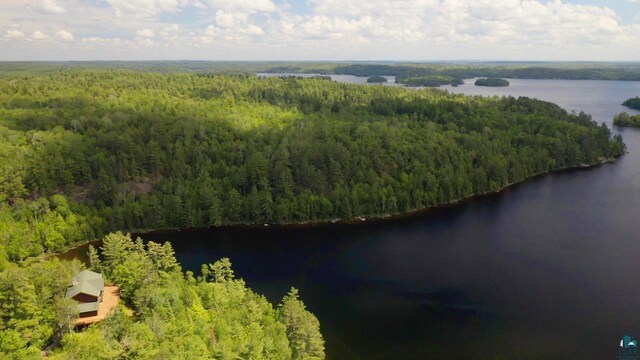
(356, 220)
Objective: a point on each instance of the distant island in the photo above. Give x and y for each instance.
(377, 79)
(492, 82)
(410, 73)
(626, 120)
(430, 81)
(633, 103)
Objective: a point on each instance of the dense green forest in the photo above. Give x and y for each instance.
(376, 79)
(492, 82)
(633, 103)
(88, 151)
(165, 313)
(429, 81)
(626, 120)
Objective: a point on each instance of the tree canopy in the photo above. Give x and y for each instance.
(88, 151)
(625, 120)
(376, 79)
(492, 82)
(167, 314)
(633, 103)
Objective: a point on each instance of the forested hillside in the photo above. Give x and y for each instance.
(166, 314)
(84, 152)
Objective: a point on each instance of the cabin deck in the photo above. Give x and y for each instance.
(110, 299)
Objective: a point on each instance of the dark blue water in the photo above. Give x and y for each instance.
(549, 269)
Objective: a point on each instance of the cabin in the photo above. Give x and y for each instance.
(87, 289)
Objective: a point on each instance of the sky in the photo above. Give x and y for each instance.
(409, 30)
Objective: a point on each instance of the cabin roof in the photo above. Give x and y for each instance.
(86, 282)
(88, 307)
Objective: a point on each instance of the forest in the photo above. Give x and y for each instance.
(429, 81)
(376, 79)
(626, 120)
(165, 313)
(633, 103)
(492, 82)
(85, 152)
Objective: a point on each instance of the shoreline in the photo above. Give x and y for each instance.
(381, 217)
(368, 219)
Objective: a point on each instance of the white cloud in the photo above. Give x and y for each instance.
(14, 34)
(37, 35)
(146, 33)
(236, 24)
(206, 39)
(253, 30)
(51, 7)
(146, 8)
(229, 20)
(63, 35)
(328, 29)
(458, 21)
(247, 6)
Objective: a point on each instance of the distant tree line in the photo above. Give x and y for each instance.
(525, 71)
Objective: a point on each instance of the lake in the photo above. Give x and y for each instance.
(548, 269)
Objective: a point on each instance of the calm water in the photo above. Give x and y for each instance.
(549, 269)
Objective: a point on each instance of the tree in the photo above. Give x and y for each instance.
(95, 263)
(116, 248)
(66, 312)
(89, 344)
(221, 270)
(14, 347)
(162, 256)
(303, 328)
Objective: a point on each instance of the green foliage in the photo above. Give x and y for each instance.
(303, 329)
(66, 312)
(376, 79)
(625, 120)
(430, 80)
(494, 82)
(90, 344)
(90, 151)
(32, 306)
(633, 103)
(14, 347)
(167, 315)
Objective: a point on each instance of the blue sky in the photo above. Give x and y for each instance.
(596, 30)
